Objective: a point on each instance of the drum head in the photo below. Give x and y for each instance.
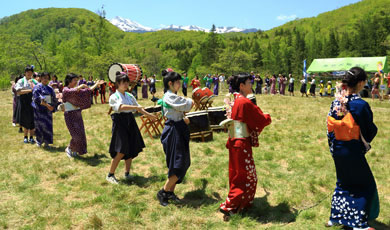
(198, 113)
(220, 108)
(211, 98)
(112, 71)
(250, 96)
(204, 99)
(149, 109)
(193, 91)
(216, 109)
(226, 122)
(157, 108)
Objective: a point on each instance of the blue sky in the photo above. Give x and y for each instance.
(259, 14)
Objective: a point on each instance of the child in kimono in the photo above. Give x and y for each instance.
(75, 99)
(350, 130)
(126, 140)
(44, 104)
(175, 137)
(247, 123)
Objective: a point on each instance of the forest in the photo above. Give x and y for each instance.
(64, 40)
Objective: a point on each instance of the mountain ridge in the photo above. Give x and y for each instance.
(129, 25)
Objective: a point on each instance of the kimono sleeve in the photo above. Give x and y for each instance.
(80, 98)
(38, 95)
(363, 116)
(178, 103)
(19, 85)
(115, 102)
(54, 100)
(133, 99)
(13, 89)
(252, 115)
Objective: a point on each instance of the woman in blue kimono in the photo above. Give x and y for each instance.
(44, 104)
(350, 131)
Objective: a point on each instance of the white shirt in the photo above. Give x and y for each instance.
(23, 84)
(292, 80)
(221, 78)
(178, 105)
(117, 99)
(313, 81)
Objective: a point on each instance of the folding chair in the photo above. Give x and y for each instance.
(203, 103)
(210, 101)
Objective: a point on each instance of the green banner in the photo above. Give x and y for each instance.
(369, 64)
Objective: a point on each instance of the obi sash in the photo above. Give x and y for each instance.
(236, 129)
(70, 107)
(345, 129)
(48, 99)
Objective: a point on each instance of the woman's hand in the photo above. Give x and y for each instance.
(82, 86)
(151, 116)
(50, 108)
(186, 120)
(139, 108)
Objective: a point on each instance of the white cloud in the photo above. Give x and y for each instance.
(286, 17)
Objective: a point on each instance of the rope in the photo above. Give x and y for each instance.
(300, 210)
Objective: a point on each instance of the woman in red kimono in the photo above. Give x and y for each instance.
(195, 83)
(247, 122)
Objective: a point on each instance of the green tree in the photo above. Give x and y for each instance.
(331, 47)
(99, 32)
(210, 47)
(257, 55)
(152, 61)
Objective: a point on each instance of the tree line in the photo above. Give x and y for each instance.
(74, 40)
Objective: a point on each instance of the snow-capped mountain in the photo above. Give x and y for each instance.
(128, 25)
(180, 28)
(222, 30)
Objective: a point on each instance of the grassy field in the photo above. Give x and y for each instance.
(41, 189)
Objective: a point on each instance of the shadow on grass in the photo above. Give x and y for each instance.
(263, 212)
(144, 182)
(94, 160)
(56, 149)
(198, 197)
(379, 225)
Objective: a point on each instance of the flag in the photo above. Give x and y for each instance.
(304, 70)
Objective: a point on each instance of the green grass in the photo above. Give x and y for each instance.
(42, 189)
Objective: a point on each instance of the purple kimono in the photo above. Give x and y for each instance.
(273, 83)
(216, 85)
(43, 118)
(145, 84)
(282, 80)
(82, 81)
(74, 119)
